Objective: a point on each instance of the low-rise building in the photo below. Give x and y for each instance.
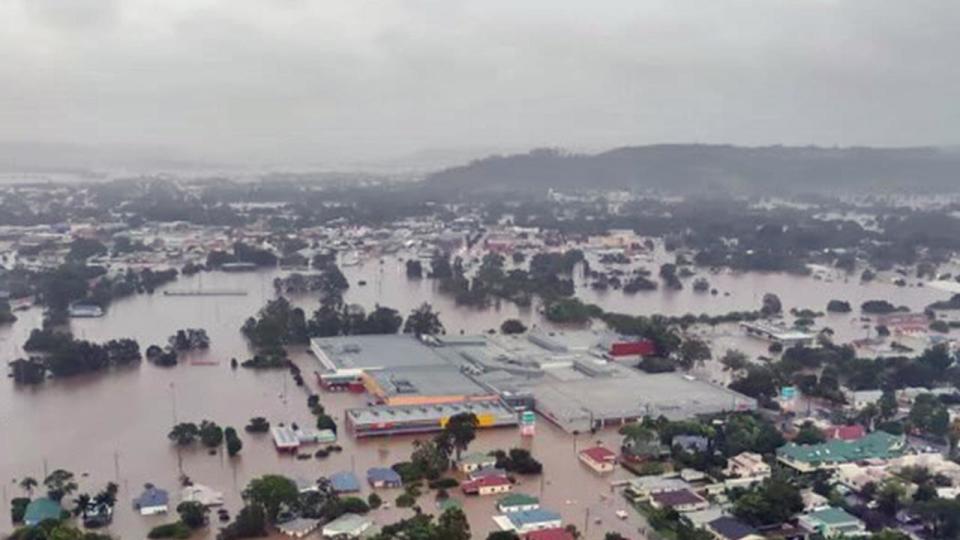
(152, 501)
(747, 465)
(601, 460)
(384, 477)
(829, 455)
(529, 521)
(833, 523)
(346, 526)
(344, 482)
(475, 461)
(681, 500)
(40, 510)
(518, 502)
(488, 485)
(731, 528)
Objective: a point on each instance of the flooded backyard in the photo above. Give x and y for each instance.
(113, 426)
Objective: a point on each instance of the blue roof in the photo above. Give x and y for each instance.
(528, 517)
(152, 496)
(383, 474)
(344, 481)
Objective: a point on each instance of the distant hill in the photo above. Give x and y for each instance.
(689, 168)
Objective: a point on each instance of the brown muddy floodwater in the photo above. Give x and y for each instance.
(113, 426)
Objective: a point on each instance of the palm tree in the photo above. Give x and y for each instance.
(60, 483)
(80, 505)
(27, 484)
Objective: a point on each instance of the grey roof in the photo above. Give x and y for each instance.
(377, 351)
(152, 496)
(419, 413)
(731, 528)
(343, 482)
(428, 380)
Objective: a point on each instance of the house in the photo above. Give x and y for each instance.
(346, 526)
(730, 528)
(384, 477)
(344, 482)
(529, 521)
(476, 461)
(284, 439)
(681, 500)
(298, 527)
(747, 466)
(844, 433)
(598, 458)
(833, 523)
(39, 510)
(517, 502)
(691, 443)
(152, 501)
(488, 485)
(202, 494)
(829, 455)
(486, 471)
(641, 448)
(550, 534)
(640, 489)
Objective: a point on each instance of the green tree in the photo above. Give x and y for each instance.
(184, 433)
(193, 514)
(459, 432)
(272, 492)
(423, 321)
(775, 501)
(234, 444)
(693, 352)
(59, 484)
(513, 326)
(809, 434)
(453, 525)
(28, 483)
(503, 535)
(211, 434)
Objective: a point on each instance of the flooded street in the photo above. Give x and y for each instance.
(113, 426)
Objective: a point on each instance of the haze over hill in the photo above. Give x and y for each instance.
(694, 168)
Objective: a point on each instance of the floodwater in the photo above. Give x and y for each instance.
(113, 426)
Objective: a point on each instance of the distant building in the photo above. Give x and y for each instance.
(598, 458)
(529, 521)
(346, 526)
(833, 523)
(474, 461)
(344, 482)
(383, 477)
(691, 443)
(681, 500)
(488, 485)
(152, 501)
(747, 465)
(828, 455)
(730, 528)
(518, 502)
(776, 333)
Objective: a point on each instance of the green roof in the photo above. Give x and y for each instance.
(517, 499)
(477, 458)
(833, 517)
(448, 503)
(41, 510)
(877, 445)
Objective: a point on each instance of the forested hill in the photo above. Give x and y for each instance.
(712, 168)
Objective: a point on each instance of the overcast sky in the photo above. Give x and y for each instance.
(306, 81)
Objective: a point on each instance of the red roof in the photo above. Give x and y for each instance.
(599, 454)
(549, 534)
(485, 481)
(643, 347)
(845, 433)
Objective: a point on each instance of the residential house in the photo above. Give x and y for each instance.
(476, 461)
(681, 500)
(384, 477)
(747, 465)
(640, 489)
(344, 482)
(598, 458)
(644, 447)
(202, 494)
(152, 501)
(39, 510)
(298, 527)
(833, 523)
(529, 521)
(730, 528)
(346, 526)
(558, 533)
(485, 472)
(691, 443)
(488, 485)
(517, 502)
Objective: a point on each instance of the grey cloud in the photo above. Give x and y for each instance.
(291, 81)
